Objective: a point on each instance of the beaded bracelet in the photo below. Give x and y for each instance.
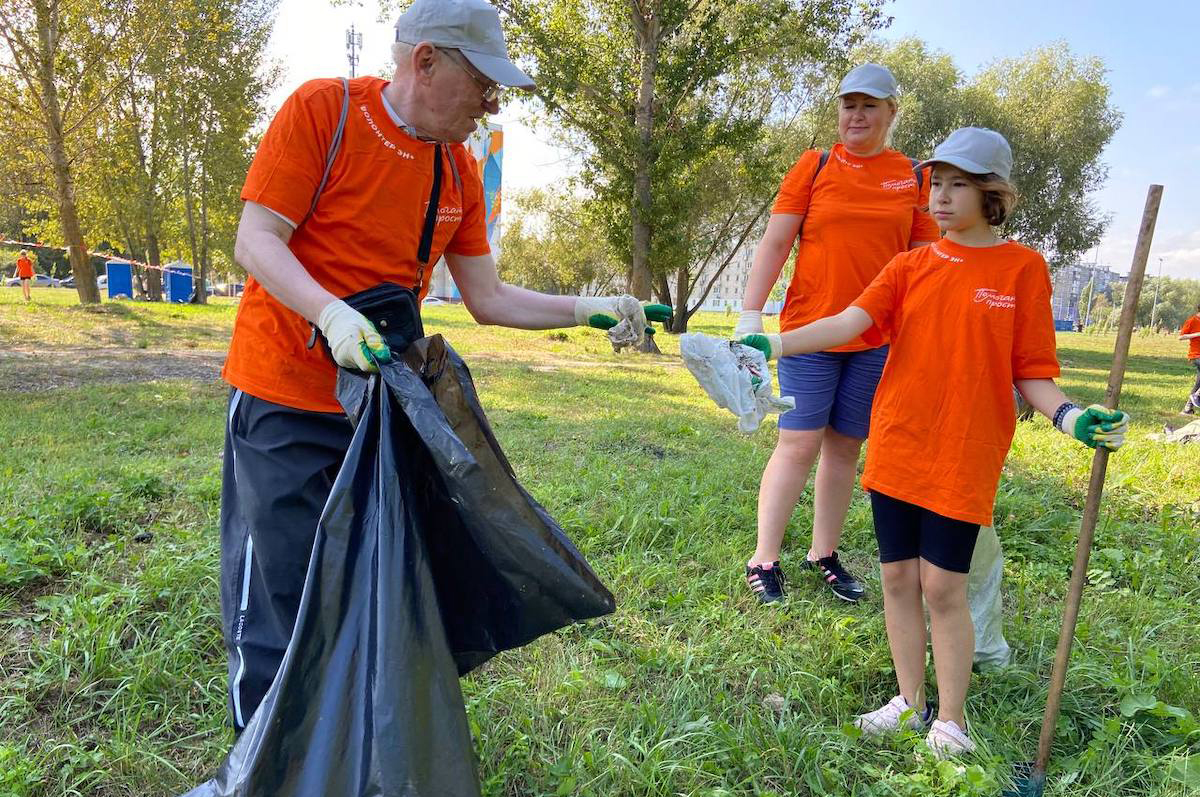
(1061, 412)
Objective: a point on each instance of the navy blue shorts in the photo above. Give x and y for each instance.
(831, 388)
(907, 531)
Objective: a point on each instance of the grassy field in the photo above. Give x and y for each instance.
(111, 663)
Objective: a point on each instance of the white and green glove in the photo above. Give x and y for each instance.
(1095, 426)
(770, 345)
(749, 323)
(353, 340)
(605, 312)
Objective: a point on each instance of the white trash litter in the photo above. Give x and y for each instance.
(983, 598)
(734, 376)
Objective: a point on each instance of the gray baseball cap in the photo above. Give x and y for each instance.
(976, 150)
(470, 26)
(874, 80)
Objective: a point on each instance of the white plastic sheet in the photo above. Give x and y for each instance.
(734, 376)
(983, 598)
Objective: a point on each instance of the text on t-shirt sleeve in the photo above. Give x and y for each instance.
(1033, 350)
(880, 300)
(290, 160)
(796, 188)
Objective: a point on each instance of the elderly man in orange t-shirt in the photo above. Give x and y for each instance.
(355, 183)
(25, 273)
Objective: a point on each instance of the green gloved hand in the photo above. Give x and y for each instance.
(1096, 426)
(770, 345)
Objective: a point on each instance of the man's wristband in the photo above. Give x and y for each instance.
(1061, 413)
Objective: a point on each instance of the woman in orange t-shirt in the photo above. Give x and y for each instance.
(852, 214)
(969, 317)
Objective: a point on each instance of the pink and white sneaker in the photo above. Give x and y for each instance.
(946, 739)
(891, 717)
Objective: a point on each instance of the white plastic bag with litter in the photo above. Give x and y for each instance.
(734, 376)
(983, 597)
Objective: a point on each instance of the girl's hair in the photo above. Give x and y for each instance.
(999, 196)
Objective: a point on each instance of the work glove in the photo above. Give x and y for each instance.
(605, 312)
(770, 345)
(353, 340)
(1096, 426)
(749, 323)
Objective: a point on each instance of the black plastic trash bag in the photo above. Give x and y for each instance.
(428, 560)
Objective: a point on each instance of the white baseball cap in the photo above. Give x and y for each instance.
(470, 26)
(975, 150)
(874, 80)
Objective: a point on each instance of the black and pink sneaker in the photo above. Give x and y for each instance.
(837, 578)
(766, 581)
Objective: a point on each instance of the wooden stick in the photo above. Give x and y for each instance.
(1091, 509)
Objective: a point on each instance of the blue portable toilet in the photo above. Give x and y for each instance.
(179, 282)
(120, 279)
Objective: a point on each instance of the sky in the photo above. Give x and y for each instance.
(1149, 48)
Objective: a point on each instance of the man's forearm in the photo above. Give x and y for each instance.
(269, 260)
(510, 306)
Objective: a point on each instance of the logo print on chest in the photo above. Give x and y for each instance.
(994, 298)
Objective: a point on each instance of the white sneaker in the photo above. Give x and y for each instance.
(946, 739)
(891, 717)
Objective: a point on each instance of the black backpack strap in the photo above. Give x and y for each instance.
(334, 146)
(820, 165)
(920, 174)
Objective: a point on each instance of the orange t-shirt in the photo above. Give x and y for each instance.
(366, 228)
(1190, 326)
(964, 323)
(24, 268)
(859, 213)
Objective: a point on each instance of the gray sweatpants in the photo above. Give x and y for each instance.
(279, 467)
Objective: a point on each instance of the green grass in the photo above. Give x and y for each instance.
(111, 663)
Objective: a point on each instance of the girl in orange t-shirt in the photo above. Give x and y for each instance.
(968, 316)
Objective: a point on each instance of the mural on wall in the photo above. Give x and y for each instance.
(487, 145)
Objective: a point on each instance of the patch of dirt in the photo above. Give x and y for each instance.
(39, 369)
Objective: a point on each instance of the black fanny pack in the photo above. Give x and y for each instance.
(393, 310)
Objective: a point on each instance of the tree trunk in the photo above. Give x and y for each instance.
(199, 295)
(679, 318)
(154, 280)
(81, 265)
(648, 28)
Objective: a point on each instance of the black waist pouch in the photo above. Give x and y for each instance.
(395, 312)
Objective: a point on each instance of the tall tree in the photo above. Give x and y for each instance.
(58, 53)
(646, 89)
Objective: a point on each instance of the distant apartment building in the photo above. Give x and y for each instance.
(1070, 285)
(727, 292)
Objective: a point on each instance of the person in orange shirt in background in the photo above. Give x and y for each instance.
(1191, 332)
(323, 221)
(969, 317)
(25, 273)
(853, 208)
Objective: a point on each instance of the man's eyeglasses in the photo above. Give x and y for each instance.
(492, 92)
